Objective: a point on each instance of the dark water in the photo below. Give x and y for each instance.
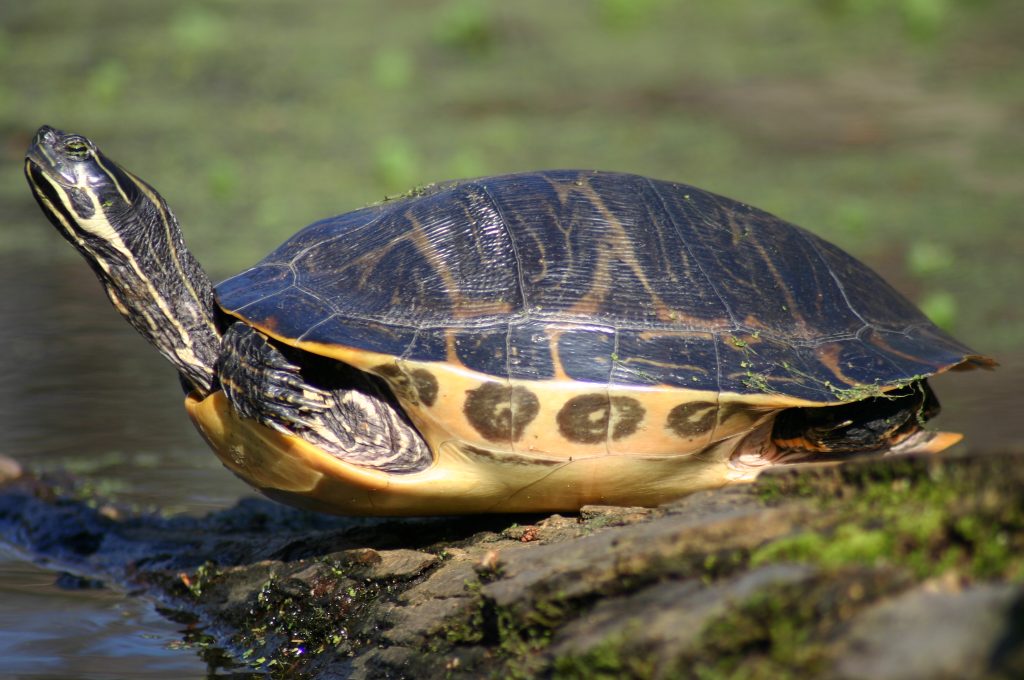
(50, 632)
(80, 390)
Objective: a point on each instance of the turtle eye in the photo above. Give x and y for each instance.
(76, 148)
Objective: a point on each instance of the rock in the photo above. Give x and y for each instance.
(666, 618)
(598, 562)
(937, 634)
(449, 581)
(415, 624)
(868, 569)
(10, 469)
(612, 515)
(401, 564)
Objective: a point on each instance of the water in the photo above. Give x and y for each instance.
(50, 632)
(80, 390)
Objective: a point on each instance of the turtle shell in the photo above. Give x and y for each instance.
(594, 277)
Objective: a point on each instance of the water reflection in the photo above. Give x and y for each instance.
(49, 632)
(80, 389)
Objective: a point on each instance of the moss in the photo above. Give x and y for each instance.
(198, 581)
(469, 630)
(927, 519)
(757, 382)
(517, 634)
(781, 631)
(287, 620)
(719, 564)
(767, 636)
(610, 660)
(520, 640)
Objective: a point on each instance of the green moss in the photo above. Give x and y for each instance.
(897, 513)
(768, 635)
(719, 564)
(200, 579)
(757, 382)
(611, 659)
(471, 629)
(518, 635)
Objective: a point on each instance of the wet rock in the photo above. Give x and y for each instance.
(864, 569)
(937, 634)
(66, 581)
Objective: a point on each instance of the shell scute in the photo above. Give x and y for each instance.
(482, 350)
(427, 344)
(529, 352)
(585, 353)
(654, 357)
(903, 349)
(268, 281)
(768, 366)
(373, 336)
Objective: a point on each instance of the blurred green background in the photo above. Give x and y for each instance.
(892, 127)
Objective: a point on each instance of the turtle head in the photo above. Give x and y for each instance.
(130, 238)
(89, 198)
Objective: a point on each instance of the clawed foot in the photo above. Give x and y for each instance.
(262, 384)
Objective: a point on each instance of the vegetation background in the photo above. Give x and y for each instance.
(893, 128)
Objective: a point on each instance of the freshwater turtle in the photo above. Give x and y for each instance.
(528, 342)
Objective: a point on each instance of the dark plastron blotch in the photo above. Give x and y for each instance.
(418, 386)
(594, 418)
(500, 413)
(692, 419)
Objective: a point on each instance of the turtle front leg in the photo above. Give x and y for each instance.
(346, 412)
(262, 384)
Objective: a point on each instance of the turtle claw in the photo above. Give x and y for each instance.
(262, 384)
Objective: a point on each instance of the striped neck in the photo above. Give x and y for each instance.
(131, 239)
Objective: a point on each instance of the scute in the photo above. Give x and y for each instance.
(607, 278)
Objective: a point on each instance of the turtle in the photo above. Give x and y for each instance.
(530, 342)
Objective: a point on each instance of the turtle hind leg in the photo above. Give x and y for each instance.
(872, 424)
(347, 413)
